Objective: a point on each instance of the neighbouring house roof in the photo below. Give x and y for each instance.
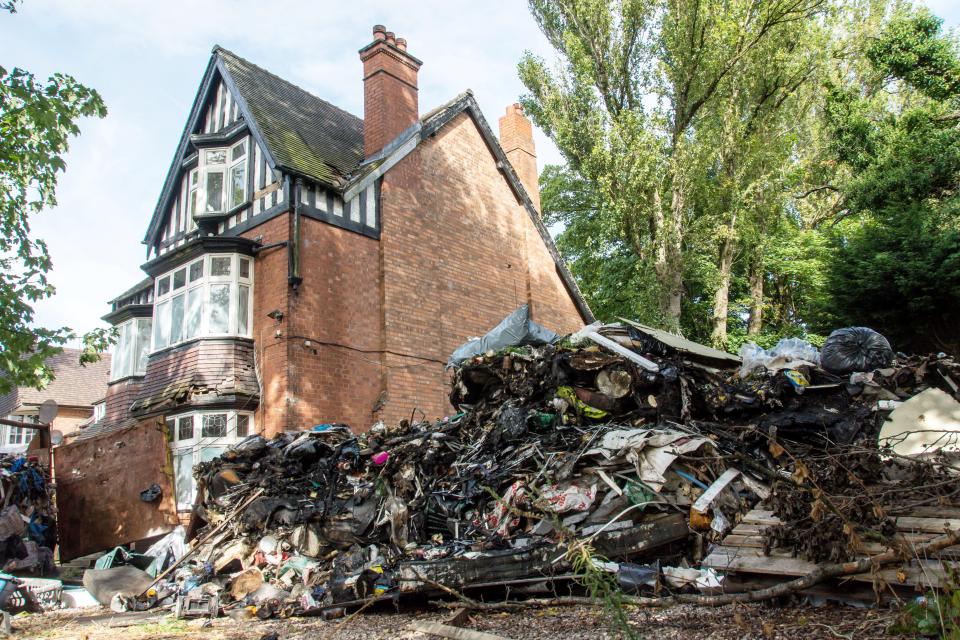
(74, 385)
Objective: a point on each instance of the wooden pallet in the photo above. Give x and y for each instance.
(742, 550)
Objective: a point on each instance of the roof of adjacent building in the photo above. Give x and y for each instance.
(303, 133)
(73, 385)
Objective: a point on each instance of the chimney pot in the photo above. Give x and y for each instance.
(379, 32)
(391, 37)
(402, 44)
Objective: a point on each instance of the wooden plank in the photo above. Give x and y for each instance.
(936, 512)
(760, 519)
(927, 525)
(927, 572)
(748, 529)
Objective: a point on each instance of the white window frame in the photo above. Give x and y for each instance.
(15, 436)
(131, 350)
(237, 326)
(235, 157)
(99, 411)
(195, 445)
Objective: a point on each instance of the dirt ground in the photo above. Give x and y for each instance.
(681, 622)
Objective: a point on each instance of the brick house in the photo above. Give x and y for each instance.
(78, 390)
(306, 266)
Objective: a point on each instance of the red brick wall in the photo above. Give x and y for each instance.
(455, 256)
(459, 254)
(270, 292)
(325, 365)
(337, 376)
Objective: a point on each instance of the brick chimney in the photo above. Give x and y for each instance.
(389, 89)
(516, 138)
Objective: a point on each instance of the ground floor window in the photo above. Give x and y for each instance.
(199, 436)
(13, 436)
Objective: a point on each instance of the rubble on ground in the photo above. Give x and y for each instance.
(641, 447)
(28, 526)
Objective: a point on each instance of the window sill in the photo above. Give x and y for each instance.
(209, 218)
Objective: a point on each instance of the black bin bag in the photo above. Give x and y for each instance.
(855, 349)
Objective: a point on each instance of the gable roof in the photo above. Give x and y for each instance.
(303, 134)
(74, 384)
(297, 131)
(425, 128)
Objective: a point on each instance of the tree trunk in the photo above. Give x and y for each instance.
(669, 259)
(756, 297)
(721, 299)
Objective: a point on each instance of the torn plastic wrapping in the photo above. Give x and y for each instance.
(515, 330)
(788, 353)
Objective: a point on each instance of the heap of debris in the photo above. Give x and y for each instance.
(28, 527)
(621, 439)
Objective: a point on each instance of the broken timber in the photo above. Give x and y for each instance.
(742, 550)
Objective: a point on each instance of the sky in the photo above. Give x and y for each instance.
(147, 59)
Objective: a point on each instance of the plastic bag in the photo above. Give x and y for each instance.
(855, 349)
(513, 331)
(786, 351)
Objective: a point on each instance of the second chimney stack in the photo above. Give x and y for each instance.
(516, 138)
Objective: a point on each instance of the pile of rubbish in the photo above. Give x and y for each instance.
(636, 444)
(28, 526)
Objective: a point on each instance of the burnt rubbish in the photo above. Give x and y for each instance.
(644, 446)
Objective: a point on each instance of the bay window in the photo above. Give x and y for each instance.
(130, 352)
(200, 436)
(220, 182)
(207, 297)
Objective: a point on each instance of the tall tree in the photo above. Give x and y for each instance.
(624, 107)
(895, 263)
(37, 120)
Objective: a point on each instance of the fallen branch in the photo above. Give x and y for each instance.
(818, 575)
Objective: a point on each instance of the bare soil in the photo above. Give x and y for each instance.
(681, 622)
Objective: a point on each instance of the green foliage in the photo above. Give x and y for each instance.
(935, 615)
(638, 82)
(36, 122)
(913, 49)
(895, 258)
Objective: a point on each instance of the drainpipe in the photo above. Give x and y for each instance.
(293, 248)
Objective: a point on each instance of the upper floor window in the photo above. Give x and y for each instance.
(210, 296)
(219, 183)
(99, 411)
(130, 352)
